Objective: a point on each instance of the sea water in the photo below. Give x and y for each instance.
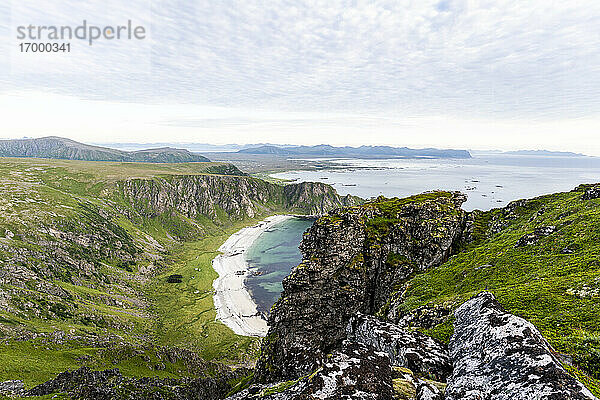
(271, 258)
(490, 180)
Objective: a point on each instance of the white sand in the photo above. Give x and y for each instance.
(235, 308)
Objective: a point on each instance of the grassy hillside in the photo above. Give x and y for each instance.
(540, 258)
(84, 269)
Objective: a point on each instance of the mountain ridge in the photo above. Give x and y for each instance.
(55, 147)
(324, 150)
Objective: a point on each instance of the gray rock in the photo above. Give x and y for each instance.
(421, 354)
(499, 356)
(428, 391)
(351, 264)
(534, 236)
(12, 388)
(355, 372)
(592, 192)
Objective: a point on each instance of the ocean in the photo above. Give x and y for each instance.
(490, 180)
(271, 258)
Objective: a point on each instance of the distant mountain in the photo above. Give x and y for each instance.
(543, 153)
(356, 152)
(67, 149)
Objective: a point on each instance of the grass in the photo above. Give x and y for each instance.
(557, 290)
(111, 171)
(82, 246)
(186, 310)
(36, 361)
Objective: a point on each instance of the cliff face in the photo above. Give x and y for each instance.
(395, 277)
(229, 197)
(352, 261)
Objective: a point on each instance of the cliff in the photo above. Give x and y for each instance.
(352, 261)
(396, 276)
(228, 197)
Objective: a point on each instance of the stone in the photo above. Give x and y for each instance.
(12, 388)
(355, 372)
(592, 192)
(534, 236)
(499, 356)
(424, 356)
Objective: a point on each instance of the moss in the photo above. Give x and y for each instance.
(240, 384)
(443, 331)
(357, 262)
(280, 387)
(404, 389)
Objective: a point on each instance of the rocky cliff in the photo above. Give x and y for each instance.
(352, 261)
(228, 197)
(392, 277)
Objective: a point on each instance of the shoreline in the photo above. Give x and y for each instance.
(233, 303)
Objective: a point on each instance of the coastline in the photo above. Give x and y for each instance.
(233, 303)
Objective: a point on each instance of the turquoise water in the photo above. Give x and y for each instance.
(273, 255)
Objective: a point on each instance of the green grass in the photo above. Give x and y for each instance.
(36, 361)
(537, 282)
(186, 310)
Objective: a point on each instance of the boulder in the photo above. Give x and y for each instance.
(355, 372)
(592, 192)
(534, 236)
(424, 356)
(499, 356)
(12, 388)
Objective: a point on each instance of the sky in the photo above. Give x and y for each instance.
(442, 73)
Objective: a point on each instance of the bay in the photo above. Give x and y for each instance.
(271, 258)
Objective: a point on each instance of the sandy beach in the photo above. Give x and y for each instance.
(234, 305)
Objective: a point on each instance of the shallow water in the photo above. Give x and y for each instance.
(489, 179)
(273, 254)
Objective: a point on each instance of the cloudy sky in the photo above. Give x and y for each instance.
(445, 73)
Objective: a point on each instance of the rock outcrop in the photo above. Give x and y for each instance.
(230, 197)
(534, 236)
(592, 192)
(499, 356)
(352, 261)
(354, 372)
(12, 388)
(409, 349)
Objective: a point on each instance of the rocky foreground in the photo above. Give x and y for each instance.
(493, 355)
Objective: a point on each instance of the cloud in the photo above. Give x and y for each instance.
(459, 59)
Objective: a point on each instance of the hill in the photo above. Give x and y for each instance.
(356, 152)
(86, 252)
(66, 149)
